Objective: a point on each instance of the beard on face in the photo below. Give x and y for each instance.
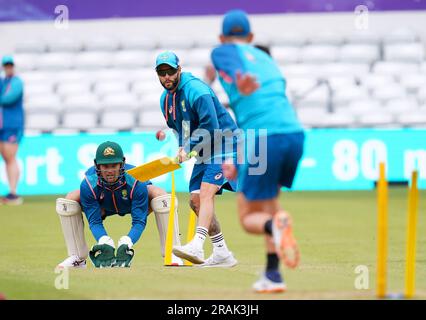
(173, 86)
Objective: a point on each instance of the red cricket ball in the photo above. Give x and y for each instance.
(160, 135)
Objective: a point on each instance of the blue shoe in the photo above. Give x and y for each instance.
(12, 199)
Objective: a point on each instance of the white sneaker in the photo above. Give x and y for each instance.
(216, 260)
(264, 285)
(188, 252)
(176, 261)
(73, 262)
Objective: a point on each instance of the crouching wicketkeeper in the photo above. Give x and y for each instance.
(107, 190)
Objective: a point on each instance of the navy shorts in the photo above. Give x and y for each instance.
(11, 135)
(210, 173)
(263, 181)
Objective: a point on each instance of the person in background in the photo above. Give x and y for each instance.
(11, 126)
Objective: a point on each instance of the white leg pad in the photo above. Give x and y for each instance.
(69, 212)
(161, 207)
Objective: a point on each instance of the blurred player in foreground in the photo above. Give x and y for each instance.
(107, 190)
(256, 91)
(11, 126)
(191, 108)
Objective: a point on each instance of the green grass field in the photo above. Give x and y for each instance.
(336, 232)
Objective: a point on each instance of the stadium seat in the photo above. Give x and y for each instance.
(362, 106)
(37, 77)
(389, 92)
(299, 85)
(327, 38)
(206, 41)
(101, 44)
(412, 82)
(319, 53)
(119, 119)
(286, 54)
(131, 59)
(66, 45)
(107, 87)
(151, 119)
(55, 61)
(31, 46)
(413, 119)
(364, 53)
(401, 106)
(283, 39)
(80, 119)
(198, 57)
(120, 101)
(372, 81)
(73, 88)
(395, 68)
(149, 101)
(317, 98)
(41, 120)
(147, 87)
(93, 60)
(72, 76)
(44, 102)
(25, 61)
(400, 35)
(301, 70)
(347, 94)
(363, 37)
(406, 52)
(311, 117)
(344, 69)
(421, 95)
(138, 43)
(336, 120)
(87, 101)
(176, 42)
(339, 81)
(40, 88)
(376, 119)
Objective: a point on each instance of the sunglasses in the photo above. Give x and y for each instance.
(170, 72)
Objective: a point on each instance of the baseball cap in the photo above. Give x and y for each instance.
(235, 23)
(7, 60)
(167, 57)
(109, 152)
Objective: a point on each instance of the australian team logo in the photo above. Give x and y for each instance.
(183, 106)
(109, 152)
(218, 176)
(124, 194)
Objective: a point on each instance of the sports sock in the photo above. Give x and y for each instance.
(200, 235)
(268, 227)
(219, 244)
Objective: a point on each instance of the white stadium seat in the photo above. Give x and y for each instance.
(80, 119)
(413, 119)
(138, 43)
(300, 85)
(372, 81)
(101, 44)
(67, 45)
(198, 57)
(41, 120)
(363, 106)
(421, 95)
(400, 106)
(344, 69)
(25, 61)
(407, 52)
(389, 92)
(152, 119)
(285, 39)
(336, 119)
(363, 37)
(319, 53)
(327, 38)
(45, 88)
(31, 46)
(119, 120)
(147, 87)
(345, 95)
(376, 119)
(93, 60)
(176, 42)
(400, 35)
(44, 102)
(81, 102)
(120, 101)
(131, 59)
(366, 53)
(106, 87)
(395, 68)
(317, 98)
(412, 82)
(73, 88)
(55, 61)
(286, 54)
(149, 101)
(311, 117)
(72, 76)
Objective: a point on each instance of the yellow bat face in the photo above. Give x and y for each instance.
(153, 169)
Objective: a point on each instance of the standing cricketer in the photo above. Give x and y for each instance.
(105, 191)
(11, 126)
(256, 91)
(191, 108)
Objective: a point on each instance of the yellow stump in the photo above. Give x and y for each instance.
(170, 227)
(191, 231)
(382, 231)
(410, 262)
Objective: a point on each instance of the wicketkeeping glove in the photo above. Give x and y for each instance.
(125, 252)
(102, 254)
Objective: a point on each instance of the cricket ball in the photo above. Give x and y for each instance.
(160, 135)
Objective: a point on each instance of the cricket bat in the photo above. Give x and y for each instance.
(156, 168)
